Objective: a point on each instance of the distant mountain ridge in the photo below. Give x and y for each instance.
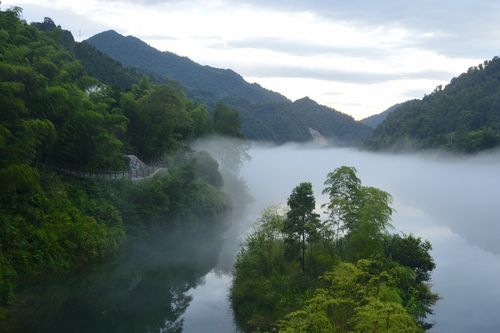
(265, 115)
(376, 119)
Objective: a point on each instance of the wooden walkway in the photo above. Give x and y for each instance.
(137, 170)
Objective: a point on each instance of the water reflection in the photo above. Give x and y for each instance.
(210, 310)
(144, 291)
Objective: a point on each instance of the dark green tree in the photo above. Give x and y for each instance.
(226, 121)
(301, 224)
(158, 119)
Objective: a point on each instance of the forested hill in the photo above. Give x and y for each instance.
(265, 115)
(209, 82)
(463, 116)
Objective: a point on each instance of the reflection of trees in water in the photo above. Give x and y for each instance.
(144, 291)
(230, 153)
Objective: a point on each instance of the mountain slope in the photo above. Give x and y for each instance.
(377, 119)
(218, 83)
(105, 68)
(265, 115)
(464, 116)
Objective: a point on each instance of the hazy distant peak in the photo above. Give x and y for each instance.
(308, 102)
(111, 33)
(311, 103)
(305, 99)
(376, 119)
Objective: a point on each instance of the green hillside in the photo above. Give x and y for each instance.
(463, 116)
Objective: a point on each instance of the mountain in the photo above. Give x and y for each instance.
(377, 119)
(265, 115)
(205, 81)
(105, 68)
(463, 116)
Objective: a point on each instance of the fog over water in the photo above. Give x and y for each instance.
(179, 279)
(454, 202)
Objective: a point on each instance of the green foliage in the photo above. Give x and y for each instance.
(50, 118)
(202, 119)
(105, 68)
(178, 197)
(55, 116)
(158, 120)
(226, 121)
(48, 226)
(265, 285)
(358, 278)
(207, 168)
(356, 298)
(464, 116)
(361, 213)
(301, 224)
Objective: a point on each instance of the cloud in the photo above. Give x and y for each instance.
(457, 27)
(417, 93)
(299, 48)
(452, 27)
(156, 37)
(342, 75)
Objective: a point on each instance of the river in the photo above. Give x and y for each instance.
(180, 282)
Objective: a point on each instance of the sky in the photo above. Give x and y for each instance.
(359, 57)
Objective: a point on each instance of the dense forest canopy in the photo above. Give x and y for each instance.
(345, 274)
(56, 115)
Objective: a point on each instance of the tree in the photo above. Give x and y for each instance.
(384, 317)
(302, 223)
(227, 121)
(361, 213)
(158, 120)
(356, 297)
(342, 187)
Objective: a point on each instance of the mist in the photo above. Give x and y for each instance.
(452, 201)
(179, 279)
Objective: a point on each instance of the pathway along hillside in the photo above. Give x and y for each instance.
(138, 170)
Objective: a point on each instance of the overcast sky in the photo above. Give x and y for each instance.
(359, 57)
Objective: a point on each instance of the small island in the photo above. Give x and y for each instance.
(297, 273)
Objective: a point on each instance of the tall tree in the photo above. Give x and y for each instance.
(342, 186)
(360, 213)
(227, 121)
(302, 223)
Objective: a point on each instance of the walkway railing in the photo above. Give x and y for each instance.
(137, 171)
